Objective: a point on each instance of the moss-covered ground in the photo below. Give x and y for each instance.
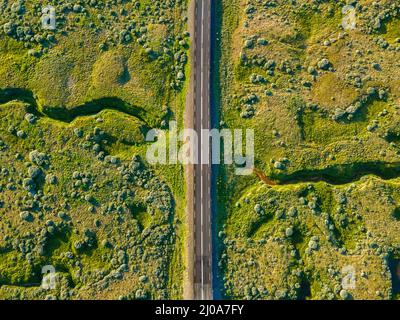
(324, 104)
(76, 192)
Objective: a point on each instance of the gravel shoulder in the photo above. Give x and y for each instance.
(188, 292)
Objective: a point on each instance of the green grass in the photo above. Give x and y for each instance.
(70, 85)
(324, 158)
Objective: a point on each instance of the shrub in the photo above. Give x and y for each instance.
(26, 215)
(324, 64)
(38, 158)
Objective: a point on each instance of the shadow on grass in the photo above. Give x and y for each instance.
(86, 109)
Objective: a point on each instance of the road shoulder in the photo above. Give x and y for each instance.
(188, 290)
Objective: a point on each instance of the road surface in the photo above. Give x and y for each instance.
(202, 171)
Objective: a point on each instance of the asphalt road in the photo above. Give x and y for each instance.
(202, 171)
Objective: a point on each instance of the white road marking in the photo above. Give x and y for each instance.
(201, 176)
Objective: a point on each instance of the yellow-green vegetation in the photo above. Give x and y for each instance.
(323, 101)
(76, 192)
